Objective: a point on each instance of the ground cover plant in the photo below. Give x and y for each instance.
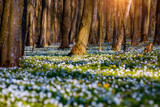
(47, 77)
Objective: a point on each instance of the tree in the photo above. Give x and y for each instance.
(146, 5)
(134, 37)
(93, 37)
(10, 34)
(74, 21)
(115, 23)
(1, 10)
(157, 34)
(82, 39)
(66, 24)
(100, 14)
(108, 17)
(124, 16)
(42, 37)
(24, 26)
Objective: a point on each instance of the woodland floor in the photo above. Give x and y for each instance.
(47, 77)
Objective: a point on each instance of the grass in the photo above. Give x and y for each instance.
(47, 77)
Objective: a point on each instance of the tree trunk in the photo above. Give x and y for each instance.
(55, 21)
(74, 21)
(134, 39)
(24, 26)
(1, 10)
(11, 35)
(115, 24)
(42, 36)
(157, 34)
(100, 14)
(44, 26)
(124, 16)
(49, 22)
(109, 21)
(93, 38)
(66, 24)
(145, 19)
(83, 35)
(80, 12)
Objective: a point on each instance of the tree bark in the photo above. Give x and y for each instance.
(83, 35)
(157, 34)
(109, 21)
(74, 21)
(49, 22)
(42, 36)
(100, 14)
(145, 19)
(66, 24)
(1, 10)
(80, 12)
(124, 13)
(24, 26)
(115, 23)
(93, 38)
(11, 35)
(134, 39)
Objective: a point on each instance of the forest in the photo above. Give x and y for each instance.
(79, 53)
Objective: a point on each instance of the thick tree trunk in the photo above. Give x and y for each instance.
(146, 4)
(157, 34)
(83, 35)
(11, 35)
(66, 24)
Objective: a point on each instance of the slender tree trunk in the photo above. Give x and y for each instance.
(115, 24)
(41, 38)
(134, 39)
(74, 21)
(55, 23)
(29, 41)
(132, 20)
(124, 13)
(11, 35)
(49, 20)
(24, 26)
(33, 24)
(109, 22)
(66, 24)
(93, 38)
(145, 19)
(157, 34)
(44, 27)
(100, 14)
(80, 12)
(1, 10)
(83, 35)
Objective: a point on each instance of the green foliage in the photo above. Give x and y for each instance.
(49, 78)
